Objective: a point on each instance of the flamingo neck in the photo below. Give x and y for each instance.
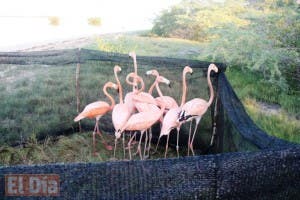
(112, 101)
(162, 103)
(138, 79)
(153, 84)
(184, 89)
(135, 72)
(150, 91)
(211, 90)
(120, 88)
(142, 85)
(158, 89)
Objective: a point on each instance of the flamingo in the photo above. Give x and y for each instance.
(97, 110)
(117, 115)
(196, 108)
(171, 118)
(142, 121)
(143, 106)
(169, 101)
(120, 113)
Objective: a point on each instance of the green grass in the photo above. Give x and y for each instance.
(74, 148)
(252, 85)
(280, 125)
(148, 46)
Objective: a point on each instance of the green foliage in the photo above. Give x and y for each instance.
(149, 46)
(192, 19)
(279, 125)
(248, 84)
(262, 36)
(248, 49)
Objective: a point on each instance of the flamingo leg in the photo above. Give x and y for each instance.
(115, 147)
(189, 140)
(123, 140)
(157, 145)
(167, 144)
(145, 145)
(129, 143)
(94, 141)
(139, 146)
(150, 141)
(191, 144)
(134, 141)
(177, 144)
(108, 147)
(94, 144)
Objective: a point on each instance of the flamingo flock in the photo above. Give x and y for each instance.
(139, 111)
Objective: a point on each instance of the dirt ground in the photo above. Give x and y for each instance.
(59, 44)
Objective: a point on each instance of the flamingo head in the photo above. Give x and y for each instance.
(162, 79)
(117, 68)
(111, 85)
(187, 69)
(152, 72)
(213, 67)
(132, 54)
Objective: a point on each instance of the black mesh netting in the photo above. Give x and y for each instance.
(256, 165)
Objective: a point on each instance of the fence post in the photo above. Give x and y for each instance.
(78, 87)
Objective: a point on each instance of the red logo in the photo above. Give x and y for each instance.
(32, 185)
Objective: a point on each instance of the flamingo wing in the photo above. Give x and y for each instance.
(170, 121)
(141, 121)
(93, 110)
(195, 107)
(120, 115)
(169, 102)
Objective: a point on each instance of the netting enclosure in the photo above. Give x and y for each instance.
(236, 159)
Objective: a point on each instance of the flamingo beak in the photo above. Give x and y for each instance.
(170, 85)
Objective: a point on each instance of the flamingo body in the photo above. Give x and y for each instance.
(170, 121)
(129, 102)
(195, 107)
(94, 110)
(169, 101)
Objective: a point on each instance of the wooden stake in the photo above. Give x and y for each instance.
(78, 87)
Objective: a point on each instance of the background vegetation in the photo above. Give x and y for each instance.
(262, 36)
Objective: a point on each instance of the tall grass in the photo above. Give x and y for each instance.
(279, 125)
(149, 46)
(249, 84)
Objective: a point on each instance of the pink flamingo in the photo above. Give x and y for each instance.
(143, 106)
(142, 121)
(97, 110)
(196, 108)
(171, 118)
(169, 101)
(120, 113)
